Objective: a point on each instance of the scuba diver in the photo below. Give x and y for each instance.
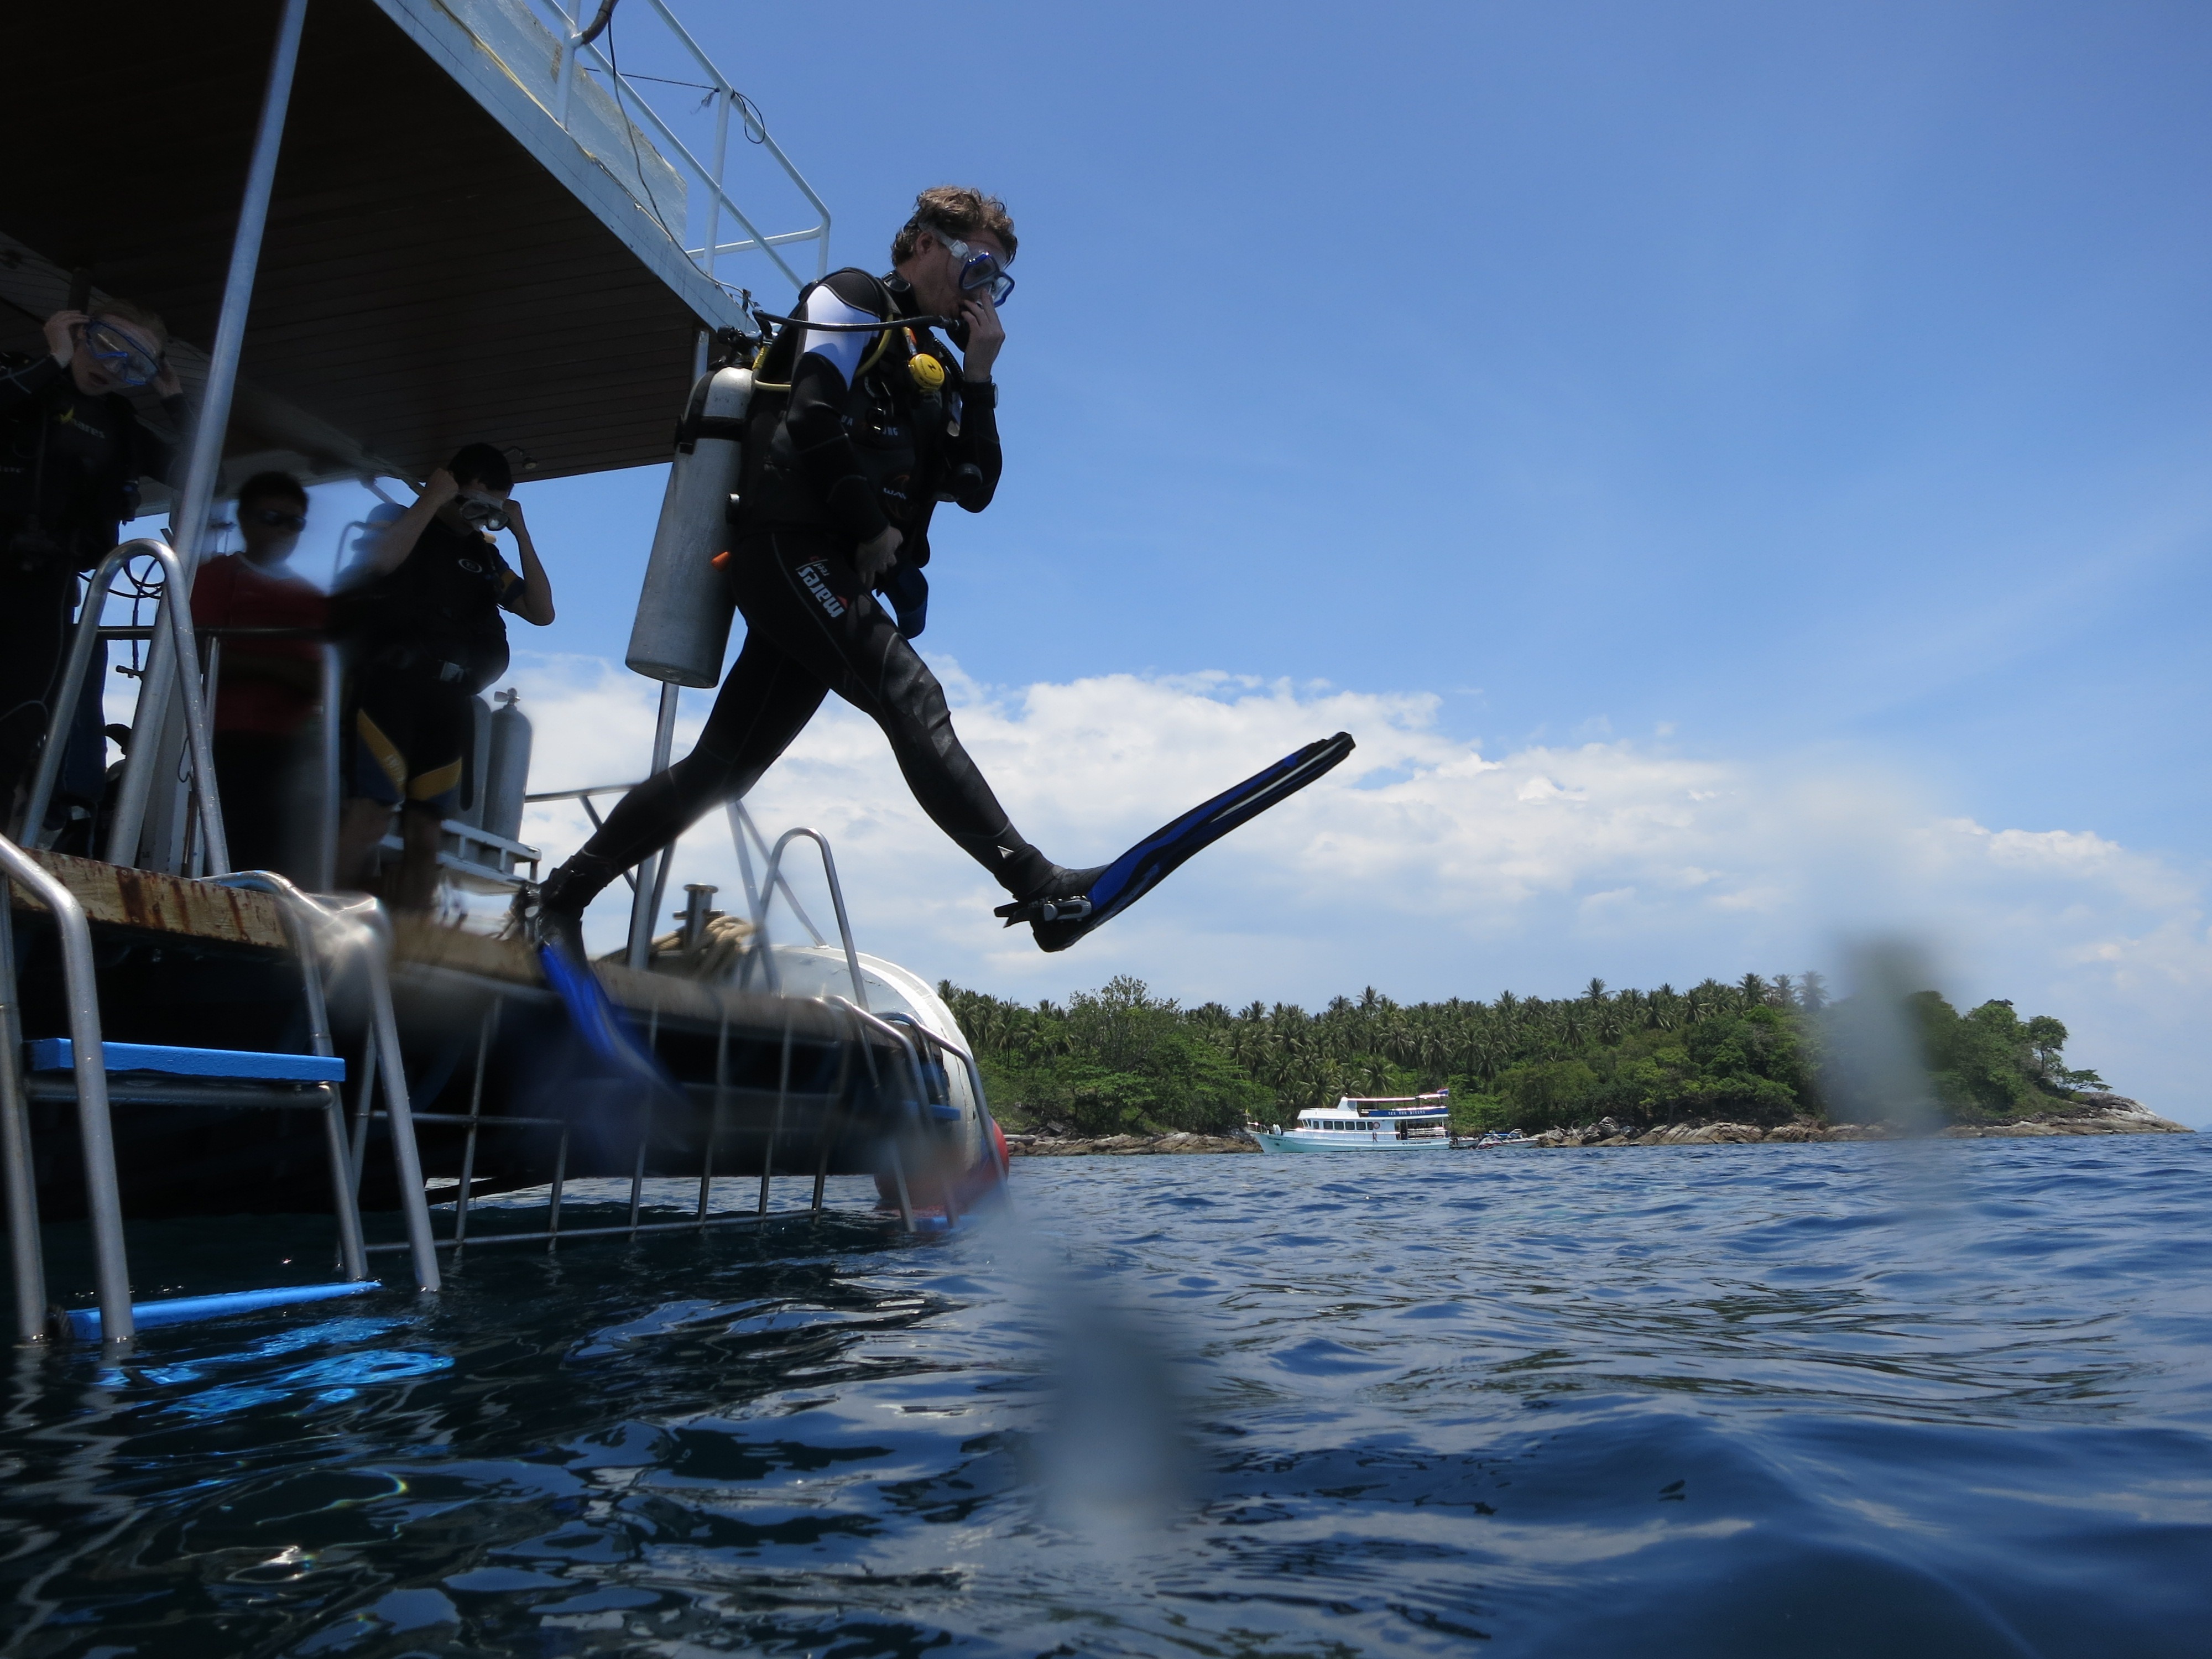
(861, 421)
(72, 451)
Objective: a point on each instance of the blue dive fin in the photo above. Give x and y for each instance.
(1059, 920)
(610, 1036)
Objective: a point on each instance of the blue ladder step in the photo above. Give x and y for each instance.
(84, 1322)
(59, 1055)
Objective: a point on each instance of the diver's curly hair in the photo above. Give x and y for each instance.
(958, 211)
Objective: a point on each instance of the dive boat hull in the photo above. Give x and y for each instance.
(500, 1086)
(1291, 1141)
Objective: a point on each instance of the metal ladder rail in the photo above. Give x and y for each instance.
(175, 608)
(383, 1063)
(300, 913)
(422, 1247)
(103, 1200)
(974, 1080)
(861, 1015)
(18, 1176)
(769, 882)
(875, 1080)
(741, 827)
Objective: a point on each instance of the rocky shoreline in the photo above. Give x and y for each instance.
(1124, 1145)
(2097, 1115)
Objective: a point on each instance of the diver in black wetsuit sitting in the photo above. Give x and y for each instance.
(855, 432)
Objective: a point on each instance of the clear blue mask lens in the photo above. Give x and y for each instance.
(983, 271)
(130, 364)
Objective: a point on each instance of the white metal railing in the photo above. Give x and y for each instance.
(575, 50)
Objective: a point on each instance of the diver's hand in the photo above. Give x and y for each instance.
(165, 383)
(986, 334)
(61, 334)
(875, 556)
(441, 488)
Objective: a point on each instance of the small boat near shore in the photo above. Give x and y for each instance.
(1400, 1123)
(1495, 1139)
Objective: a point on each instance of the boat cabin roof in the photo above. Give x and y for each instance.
(1392, 1107)
(445, 262)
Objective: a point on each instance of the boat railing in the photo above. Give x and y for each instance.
(769, 882)
(581, 51)
(759, 958)
(474, 853)
(173, 622)
(552, 1234)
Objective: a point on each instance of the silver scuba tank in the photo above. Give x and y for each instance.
(682, 625)
(507, 771)
(473, 813)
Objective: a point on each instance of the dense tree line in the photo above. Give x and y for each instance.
(1121, 1061)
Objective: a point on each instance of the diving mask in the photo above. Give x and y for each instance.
(122, 357)
(979, 269)
(481, 514)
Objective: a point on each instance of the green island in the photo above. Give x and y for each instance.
(1121, 1062)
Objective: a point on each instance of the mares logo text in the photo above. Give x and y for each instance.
(814, 576)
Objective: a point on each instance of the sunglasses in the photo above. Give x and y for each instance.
(123, 358)
(980, 270)
(275, 520)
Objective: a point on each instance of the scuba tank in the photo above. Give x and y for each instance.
(507, 770)
(472, 811)
(683, 612)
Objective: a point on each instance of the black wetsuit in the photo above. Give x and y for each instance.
(424, 638)
(70, 465)
(863, 438)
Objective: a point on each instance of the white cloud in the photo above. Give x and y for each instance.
(1426, 868)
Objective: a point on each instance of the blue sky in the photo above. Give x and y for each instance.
(1811, 404)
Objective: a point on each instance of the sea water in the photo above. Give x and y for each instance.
(1946, 1397)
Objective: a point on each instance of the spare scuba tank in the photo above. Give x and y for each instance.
(683, 612)
(479, 765)
(506, 772)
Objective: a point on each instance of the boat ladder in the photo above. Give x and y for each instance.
(100, 1076)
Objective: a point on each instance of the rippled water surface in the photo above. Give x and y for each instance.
(1952, 1399)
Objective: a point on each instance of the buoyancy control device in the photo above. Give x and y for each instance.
(683, 612)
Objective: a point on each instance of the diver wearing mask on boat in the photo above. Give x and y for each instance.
(420, 615)
(856, 431)
(72, 450)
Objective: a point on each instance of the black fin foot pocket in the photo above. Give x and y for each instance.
(534, 922)
(1053, 916)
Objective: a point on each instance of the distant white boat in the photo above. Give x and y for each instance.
(1401, 1123)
